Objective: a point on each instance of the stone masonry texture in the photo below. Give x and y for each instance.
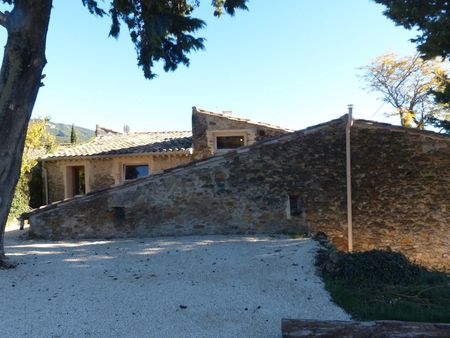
(102, 173)
(400, 185)
(401, 193)
(205, 124)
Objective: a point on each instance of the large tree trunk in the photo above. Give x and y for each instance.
(20, 79)
(301, 328)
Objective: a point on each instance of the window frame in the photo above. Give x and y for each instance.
(124, 165)
(228, 133)
(70, 179)
(294, 206)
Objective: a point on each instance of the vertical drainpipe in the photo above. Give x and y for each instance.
(349, 178)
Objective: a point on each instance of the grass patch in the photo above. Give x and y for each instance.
(295, 234)
(382, 285)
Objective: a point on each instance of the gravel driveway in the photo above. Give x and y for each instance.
(209, 286)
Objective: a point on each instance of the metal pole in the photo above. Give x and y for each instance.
(349, 178)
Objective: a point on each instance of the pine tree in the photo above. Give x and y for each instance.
(431, 20)
(73, 135)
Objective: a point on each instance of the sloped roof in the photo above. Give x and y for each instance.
(239, 119)
(127, 144)
(99, 131)
(223, 157)
(35, 154)
(187, 166)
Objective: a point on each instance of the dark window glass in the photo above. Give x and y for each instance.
(294, 205)
(135, 171)
(229, 142)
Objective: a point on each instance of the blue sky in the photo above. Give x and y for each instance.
(289, 62)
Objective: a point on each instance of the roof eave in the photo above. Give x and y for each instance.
(89, 157)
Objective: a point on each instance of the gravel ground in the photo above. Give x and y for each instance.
(209, 286)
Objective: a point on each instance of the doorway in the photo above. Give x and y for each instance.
(76, 181)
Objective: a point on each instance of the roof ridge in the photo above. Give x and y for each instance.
(241, 119)
(159, 132)
(149, 131)
(377, 124)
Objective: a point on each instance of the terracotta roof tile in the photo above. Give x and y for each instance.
(126, 144)
(35, 154)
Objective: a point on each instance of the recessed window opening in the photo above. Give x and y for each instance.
(294, 205)
(229, 142)
(76, 182)
(133, 171)
(119, 214)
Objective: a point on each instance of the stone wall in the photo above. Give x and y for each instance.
(400, 185)
(55, 181)
(102, 173)
(206, 125)
(244, 191)
(401, 192)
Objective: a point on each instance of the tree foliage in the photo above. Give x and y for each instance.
(442, 125)
(432, 20)
(161, 30)
(407, 83)
(430, 17)
(38, 142)
(73, 135)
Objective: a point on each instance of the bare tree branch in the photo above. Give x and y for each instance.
(406, 84)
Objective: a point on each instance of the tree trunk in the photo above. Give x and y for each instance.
(300, 328)
(20, 79)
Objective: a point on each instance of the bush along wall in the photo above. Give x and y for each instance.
(384, 285)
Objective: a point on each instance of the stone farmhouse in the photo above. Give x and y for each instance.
(113, 158)
(243, 177)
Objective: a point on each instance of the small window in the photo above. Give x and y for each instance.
(135, 171)
(229, 142)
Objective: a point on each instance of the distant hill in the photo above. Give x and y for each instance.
(61, 132)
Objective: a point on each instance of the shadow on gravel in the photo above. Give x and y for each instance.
(18, 248)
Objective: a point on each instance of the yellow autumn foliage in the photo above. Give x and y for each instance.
(407, 84)
(38, 140)
(37, 143)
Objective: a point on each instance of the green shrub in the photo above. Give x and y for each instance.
(21, 200)
(36, 186)
(384, 285)
(376, 266)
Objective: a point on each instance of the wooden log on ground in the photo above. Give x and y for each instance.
(296, 328)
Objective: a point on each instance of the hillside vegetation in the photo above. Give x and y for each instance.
(61, 132)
